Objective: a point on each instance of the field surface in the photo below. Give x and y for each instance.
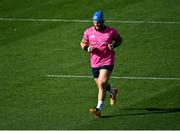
(40, 39)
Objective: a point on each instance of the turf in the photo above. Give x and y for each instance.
(31, 50)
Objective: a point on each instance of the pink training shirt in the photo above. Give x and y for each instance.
(101, 55)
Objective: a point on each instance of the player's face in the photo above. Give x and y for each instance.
(98, 25)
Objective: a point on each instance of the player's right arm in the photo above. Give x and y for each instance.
(85, 41)
(84, 45)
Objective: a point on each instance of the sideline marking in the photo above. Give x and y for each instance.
(87, 21)
(114, 77)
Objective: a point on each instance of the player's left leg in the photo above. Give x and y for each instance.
(113, 94)
(112, 91)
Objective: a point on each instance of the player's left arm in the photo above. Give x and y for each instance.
(117, 42)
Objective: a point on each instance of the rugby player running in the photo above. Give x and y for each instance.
(100, 40)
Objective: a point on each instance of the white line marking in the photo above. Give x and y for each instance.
(87, 21)
(114, 77)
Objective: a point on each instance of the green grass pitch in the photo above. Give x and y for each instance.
(30, 50)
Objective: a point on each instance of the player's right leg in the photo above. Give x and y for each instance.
(101, 77)
(101, 82)
(96, 112)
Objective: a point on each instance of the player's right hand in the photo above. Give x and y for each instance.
(91, 49)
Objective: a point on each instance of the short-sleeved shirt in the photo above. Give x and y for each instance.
(99, 40)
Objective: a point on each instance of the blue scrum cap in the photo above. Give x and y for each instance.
(98, 16)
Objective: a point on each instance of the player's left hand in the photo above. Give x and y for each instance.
(111, 46)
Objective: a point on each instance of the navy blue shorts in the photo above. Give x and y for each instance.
(95, 71)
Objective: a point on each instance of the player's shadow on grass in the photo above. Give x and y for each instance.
(142, 111)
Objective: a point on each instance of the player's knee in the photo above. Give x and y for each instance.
(102, 83)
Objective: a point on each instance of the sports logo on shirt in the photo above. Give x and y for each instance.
(92, 36)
